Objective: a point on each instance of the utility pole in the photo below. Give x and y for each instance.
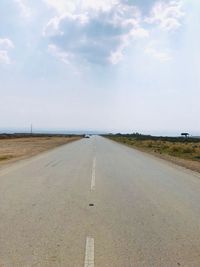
(31, 129)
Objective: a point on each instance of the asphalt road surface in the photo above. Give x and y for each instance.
(98, 203)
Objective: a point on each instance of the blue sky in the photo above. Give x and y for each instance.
(109, 65)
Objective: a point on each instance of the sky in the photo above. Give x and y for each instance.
(103, 65)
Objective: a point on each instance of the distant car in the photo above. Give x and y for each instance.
(86, 136)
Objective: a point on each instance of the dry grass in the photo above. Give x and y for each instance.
(20, 148)
(183, 150)
(186, 154)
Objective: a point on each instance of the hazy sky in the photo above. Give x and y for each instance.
(113, 65)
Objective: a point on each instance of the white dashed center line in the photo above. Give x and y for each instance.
(89, 252)
(93, 174)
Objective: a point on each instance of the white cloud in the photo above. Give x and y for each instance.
(5, 45)
(71, 6)
(154, 52)
(99, 37)
(100, 31)
(58, 53)
(103, 5)
(4, 58)
(167, 15)
(116, 56)
(61, 6)
(139, 32)
(53, 26)
(24, 8)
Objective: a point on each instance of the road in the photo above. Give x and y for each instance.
(98, 203)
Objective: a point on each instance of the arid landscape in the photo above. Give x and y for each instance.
(99, 133)
(13, 148)
(181, 151)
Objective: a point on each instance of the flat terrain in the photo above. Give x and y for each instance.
(12, 149)
(184, 152)
(98, 203)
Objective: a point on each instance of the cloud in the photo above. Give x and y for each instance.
(116, 57)
(53, 27)
(97, 37)
(24, 8)
(63, 6)
(100, 31)
(5, 45)
(153, 51)
(167, 15)
(55, 51)
(4, 58)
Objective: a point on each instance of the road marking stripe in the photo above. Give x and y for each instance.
(93, 174)
(89, 252)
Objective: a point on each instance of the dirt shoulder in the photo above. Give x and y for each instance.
(14, 149)
(186, 155)
(186, 163)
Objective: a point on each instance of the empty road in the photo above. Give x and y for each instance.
(98, 203)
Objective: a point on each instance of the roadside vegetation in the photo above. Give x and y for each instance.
(186, 148)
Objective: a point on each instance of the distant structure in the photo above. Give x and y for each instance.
(31, 129)
(185, 134)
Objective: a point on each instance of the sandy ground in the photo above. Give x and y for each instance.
(15, 149)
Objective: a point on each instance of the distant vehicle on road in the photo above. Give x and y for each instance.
(86, 136)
